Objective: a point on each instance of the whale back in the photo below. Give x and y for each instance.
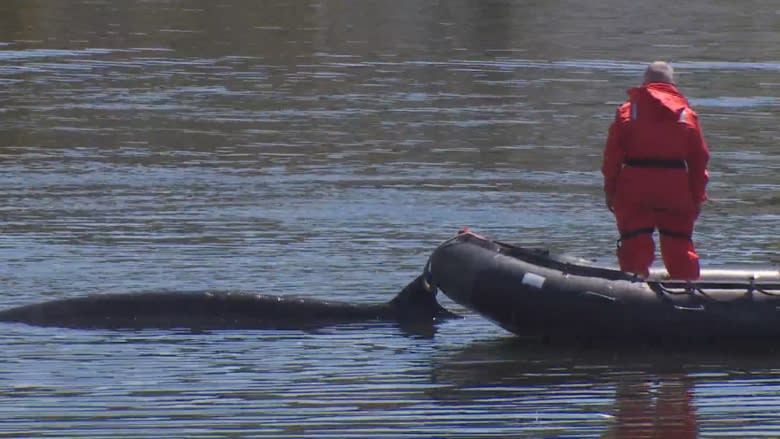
(221, 310)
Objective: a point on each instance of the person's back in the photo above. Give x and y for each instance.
(655, 175)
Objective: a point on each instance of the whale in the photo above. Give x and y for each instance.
(205, 310)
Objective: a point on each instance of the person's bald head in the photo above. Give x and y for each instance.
(659, 71)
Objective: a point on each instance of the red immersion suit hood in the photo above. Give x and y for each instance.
(661, 97)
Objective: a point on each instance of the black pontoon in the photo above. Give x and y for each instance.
(535, 292)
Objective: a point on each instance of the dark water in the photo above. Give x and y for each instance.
(323, 149)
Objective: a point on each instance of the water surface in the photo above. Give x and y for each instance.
(324, 149)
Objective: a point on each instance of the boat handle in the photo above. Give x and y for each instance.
(599, 295)
(689, 308)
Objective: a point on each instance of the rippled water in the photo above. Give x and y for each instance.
(323, 149)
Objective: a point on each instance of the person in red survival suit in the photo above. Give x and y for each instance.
(655, 175)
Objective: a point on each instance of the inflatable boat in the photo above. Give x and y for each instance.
(534, 292)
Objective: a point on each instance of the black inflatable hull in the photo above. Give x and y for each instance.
(535, 293)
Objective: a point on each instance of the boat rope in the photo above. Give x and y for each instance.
(694, 290)
(768, 293)
(427, 277)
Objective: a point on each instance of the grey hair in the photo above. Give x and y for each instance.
(659, 71)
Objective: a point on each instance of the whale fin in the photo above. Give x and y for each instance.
(417, 302)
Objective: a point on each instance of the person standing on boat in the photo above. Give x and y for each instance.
(655, 175)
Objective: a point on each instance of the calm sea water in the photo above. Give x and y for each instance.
(323, 149)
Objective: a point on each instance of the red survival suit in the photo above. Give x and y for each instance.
(655, 174)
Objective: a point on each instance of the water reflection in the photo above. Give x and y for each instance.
(661, 408)
(624, 393)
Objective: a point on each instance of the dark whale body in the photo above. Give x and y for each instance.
(416, 303)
